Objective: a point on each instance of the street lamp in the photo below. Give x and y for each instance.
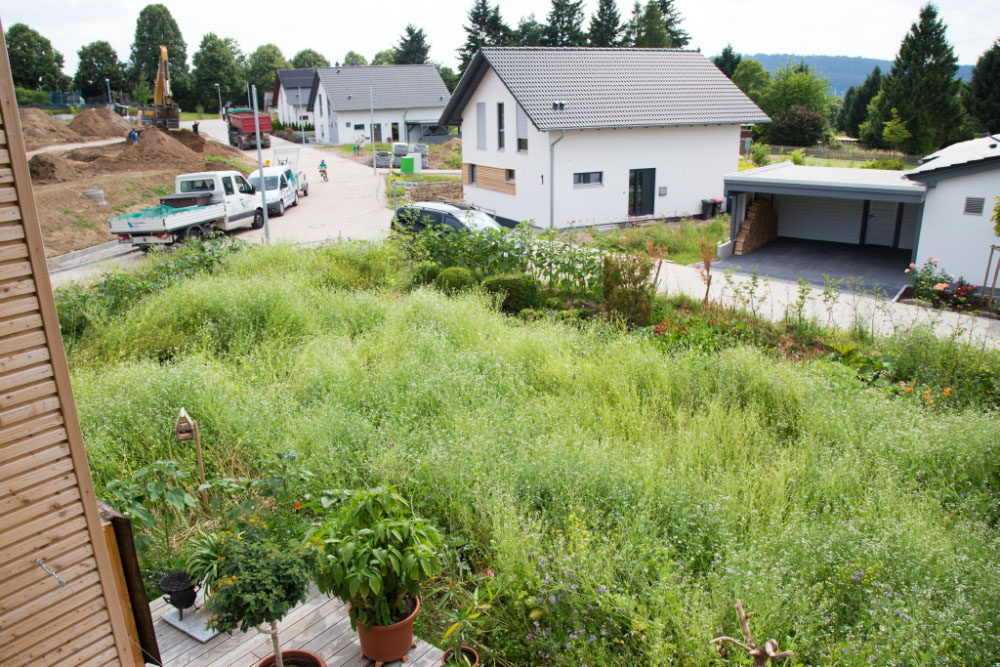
(108, 81)
(219, 92)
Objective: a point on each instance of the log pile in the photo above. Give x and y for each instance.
(759, 227)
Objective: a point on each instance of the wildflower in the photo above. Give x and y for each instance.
(912, 265)
(907, 271)
(940, 286)
(489, 573)
(602, 589)
(239, 537)
(552, 599)
(946, 392)
(936, 260)
(298, 505)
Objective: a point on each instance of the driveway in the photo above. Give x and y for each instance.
(863, 268)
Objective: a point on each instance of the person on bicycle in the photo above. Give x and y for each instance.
(322, 169)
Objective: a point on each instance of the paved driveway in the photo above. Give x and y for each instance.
(861, 267)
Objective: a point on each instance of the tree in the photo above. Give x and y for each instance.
(262, 68)
(384, 57)
(981, 97)
(922, 86)
(353, 58)
(894, 130)
(856, 102)
(154, 28)
(565, 24)
(728, 61)
(655, 25)
(217, 61)
(34, 64)
(485, 28)
(448, 75)
(795, 85)
(751, 77)
(529, 32)
(679, 37)
(98, 61)
(307, 59)
(606, 25)
(797, 125)
(413, 47)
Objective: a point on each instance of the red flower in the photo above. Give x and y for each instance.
(298, 505)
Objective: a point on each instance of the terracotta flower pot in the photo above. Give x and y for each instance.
(293, 658)
(470, 653)
(385, 643)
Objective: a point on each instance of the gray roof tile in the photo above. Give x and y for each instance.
(393, 86)
(973, 151)
(617, 87)
(297, 84)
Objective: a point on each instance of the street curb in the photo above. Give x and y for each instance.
(97, 253)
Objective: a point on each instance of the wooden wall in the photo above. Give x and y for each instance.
(489, 178)
(48, 511)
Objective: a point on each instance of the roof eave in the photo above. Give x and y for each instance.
(473, 74)
(649, 126)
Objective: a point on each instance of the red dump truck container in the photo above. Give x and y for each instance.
(242, 132)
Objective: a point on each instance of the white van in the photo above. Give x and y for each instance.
(280, 190)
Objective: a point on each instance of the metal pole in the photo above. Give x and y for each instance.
(249, 104)
(371, 103)
(219, 91)
(201, 465)
(108, 81)
(305, 139)
(260, 167)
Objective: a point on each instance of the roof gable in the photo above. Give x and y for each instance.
(589, 88)
(297, 84)
(354, 88)
(965, 157)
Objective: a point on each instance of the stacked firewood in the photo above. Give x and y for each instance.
(759, 227)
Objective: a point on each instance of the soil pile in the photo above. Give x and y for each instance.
(195, 142)
(436, 160)
(54, 168)
(158, 146)
(101, 122)
(40, 129)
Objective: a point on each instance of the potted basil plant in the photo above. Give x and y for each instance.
(374, 553)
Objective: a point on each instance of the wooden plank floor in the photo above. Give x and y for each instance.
(320, 624)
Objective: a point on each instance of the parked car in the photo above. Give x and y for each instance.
(421, 215)
(280, 190)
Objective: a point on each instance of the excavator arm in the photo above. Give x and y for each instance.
(161, 91)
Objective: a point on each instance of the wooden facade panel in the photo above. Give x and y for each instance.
(62, 503)
(49, 473)
(62, 632)
(31, 427)
(4, 156)
(26, 376)
(32, 597)
(10, 232)
(95, 653)
(35, 589)
(7, 194)
(35, 498)
(16, 325)
(15, 288)
(13, 251)
(19, 306)
(16, 450)
(44, 540)
(15, 270)
(41, 455)
(27, 355)
(6, 176)
(489, 178)
(22, 412)
(26, 393)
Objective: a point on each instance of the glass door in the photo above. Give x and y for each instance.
(641, 183)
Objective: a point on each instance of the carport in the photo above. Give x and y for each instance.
(816, 220)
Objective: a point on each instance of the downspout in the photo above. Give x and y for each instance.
(552, 181)
(406, 130)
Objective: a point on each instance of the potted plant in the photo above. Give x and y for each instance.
(257, 582)
(374, 553)
(464, 621)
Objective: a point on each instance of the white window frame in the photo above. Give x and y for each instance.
(589, 184)
(481, 126)
(522, 129)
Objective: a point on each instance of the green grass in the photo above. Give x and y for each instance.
(233, 163)
(194, 115)
(644, 488)
(680, 240)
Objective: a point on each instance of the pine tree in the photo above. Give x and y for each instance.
(529, 32)
(606, 25)
(728, 61)
(923, 88)
(485, 28)
(413, 47)
(981, 96)
(679, 37)
(655, 25)
(565, 24)
(856, 102)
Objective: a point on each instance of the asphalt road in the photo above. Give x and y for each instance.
(349, 206)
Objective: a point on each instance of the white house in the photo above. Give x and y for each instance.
(292, 88)
(578, 136)
(942, 208)
(405, 100)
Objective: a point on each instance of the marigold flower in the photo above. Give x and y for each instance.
(947, 391)
(239, 537)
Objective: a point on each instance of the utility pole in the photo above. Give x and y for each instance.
(219, 92)
(371, 104)
(108, 81)
(260, 168)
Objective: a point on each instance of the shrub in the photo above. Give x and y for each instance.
(797, 125)
(884, 163)
(424, 273)
(798, 157)
(454, 279)
(519, 289)
(35, 97)
(760, 155)
(929, 282)
(628, 289)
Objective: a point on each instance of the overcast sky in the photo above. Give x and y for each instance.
(868, 28)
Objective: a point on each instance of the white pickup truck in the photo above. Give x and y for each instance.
(203, 202)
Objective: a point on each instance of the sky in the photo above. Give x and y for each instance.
(866, 28)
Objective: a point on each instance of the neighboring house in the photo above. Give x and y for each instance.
(579, 136)
(292, 89)
(405, 100)
(942, 208)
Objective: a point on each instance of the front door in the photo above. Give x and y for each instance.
(881, 223)
(395, 132)
(641, 183)
(377, 132)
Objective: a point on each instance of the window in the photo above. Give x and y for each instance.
(522, 130)
(198, 185)
(481, 125)
(284, 182)
(347, 124)
(974, 205)
(243, 185)
(227, 185)
(359, 126)
(472, 174)
(588, 178)
(511, 176)
(500, 141)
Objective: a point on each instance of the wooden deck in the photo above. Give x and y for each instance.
(320, 624)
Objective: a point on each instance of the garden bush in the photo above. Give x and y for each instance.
(628, 289)
(454, 279)
(884, 163)
(519, 291)
(27, 97)
(760, 155)
(424, 273)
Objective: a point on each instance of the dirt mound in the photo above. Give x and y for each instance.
(54, 168)
(158, 145)
(101, 122)
(195, 142)
(41, 129)
(436, 160)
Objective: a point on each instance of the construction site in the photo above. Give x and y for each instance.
(93, 152)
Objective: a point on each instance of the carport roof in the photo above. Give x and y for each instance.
(839, 183)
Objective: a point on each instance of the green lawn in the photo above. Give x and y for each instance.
(677, 241)
(617, 492)
(194, 115)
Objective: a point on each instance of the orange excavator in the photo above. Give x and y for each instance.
(165, 113)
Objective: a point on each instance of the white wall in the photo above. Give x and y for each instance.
(962, 242)
(691, 162)
(346, 120)
(531, 167)
(819, 218)
(292, 113)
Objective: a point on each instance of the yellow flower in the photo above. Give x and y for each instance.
(947, 391)
(239, 537)
(320, 547)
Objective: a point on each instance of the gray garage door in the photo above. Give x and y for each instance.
(820, 218)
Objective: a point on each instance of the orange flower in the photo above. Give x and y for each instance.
(947, 391)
